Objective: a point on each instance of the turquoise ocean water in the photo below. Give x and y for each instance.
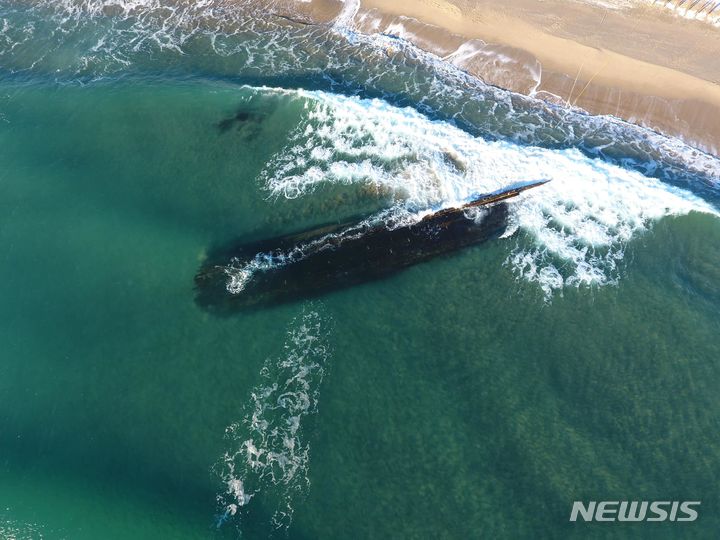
(477, 395)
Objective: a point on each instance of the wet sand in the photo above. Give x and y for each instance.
(644, 64)
(314, 11)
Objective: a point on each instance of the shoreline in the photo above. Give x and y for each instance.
(643, 64)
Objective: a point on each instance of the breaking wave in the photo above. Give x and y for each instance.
(414, 124)
(269, 453)
(86, 40)
(574, 229)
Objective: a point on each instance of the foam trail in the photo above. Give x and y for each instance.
(575, 228)
(269, 455)
(347, 14)
(14, 530)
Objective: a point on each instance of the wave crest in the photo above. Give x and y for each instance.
(575, 228)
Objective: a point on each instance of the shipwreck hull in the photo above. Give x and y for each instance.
(313, 262)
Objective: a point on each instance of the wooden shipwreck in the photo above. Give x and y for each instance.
(330, 257)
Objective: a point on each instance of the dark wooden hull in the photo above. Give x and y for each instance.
(334, 259)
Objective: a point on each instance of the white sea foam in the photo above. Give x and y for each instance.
(575, 229)
(517, 69)
(347, 140)
(347, 14)
(111, 36)
(269, 454)
(15, 530)
(240, 272)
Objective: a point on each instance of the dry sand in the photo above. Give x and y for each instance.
(645, 64)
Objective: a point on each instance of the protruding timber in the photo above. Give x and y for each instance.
(330, 257)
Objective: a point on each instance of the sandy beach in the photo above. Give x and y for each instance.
(642, 63)
(270, 270)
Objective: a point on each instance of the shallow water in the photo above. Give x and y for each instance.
(474, 395)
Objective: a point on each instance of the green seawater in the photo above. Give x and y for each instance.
(456, 399)
(456, 402)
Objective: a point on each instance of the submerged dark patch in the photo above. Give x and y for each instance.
(243, 120)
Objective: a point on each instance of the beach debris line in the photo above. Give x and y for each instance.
(333, 256)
